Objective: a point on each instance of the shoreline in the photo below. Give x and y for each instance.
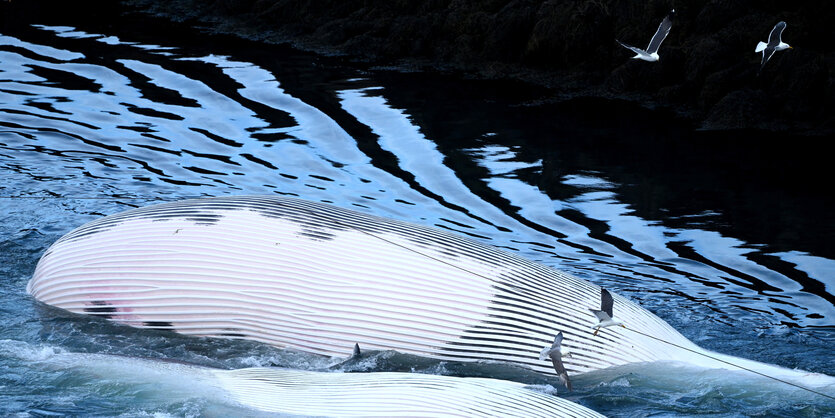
(699, 78)
(707, 76)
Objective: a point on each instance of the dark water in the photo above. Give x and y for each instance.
(727, 236)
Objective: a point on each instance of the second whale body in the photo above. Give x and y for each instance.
(160, 383)
(318, 278)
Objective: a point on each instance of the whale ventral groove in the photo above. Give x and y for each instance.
(318, 278)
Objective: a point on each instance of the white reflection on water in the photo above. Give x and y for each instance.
(415, 153)
(159, 123)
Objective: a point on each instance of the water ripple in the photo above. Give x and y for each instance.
(128, 122)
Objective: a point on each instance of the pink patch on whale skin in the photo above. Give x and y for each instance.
(116, 310)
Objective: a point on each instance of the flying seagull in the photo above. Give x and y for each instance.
(775, 43)
(651, 53)
(556, 351)
(604, 315)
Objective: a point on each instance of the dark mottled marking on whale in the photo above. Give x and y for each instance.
(158, 325)
(450, 254)
(161, 213)
(338, 219)
(498, 332)
(207, 219)
(81, 233)
(317, 234)
(101, 309)
(199, 217)
(274, 207)
(320, 219)
(471, 339)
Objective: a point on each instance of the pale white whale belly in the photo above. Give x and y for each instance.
(318, 278)
(389, 394)
(304, 392)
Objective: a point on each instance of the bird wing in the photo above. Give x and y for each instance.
(661, 33)
(601, 316)
(556, 360)
(636, 50)
(557, 340)
(606, 302)
(776, 35)
(767, 53)
(547, 351)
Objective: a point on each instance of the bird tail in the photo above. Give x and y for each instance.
(565, 381)
(761, 46)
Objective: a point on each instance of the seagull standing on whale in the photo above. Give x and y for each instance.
(556, 351)
(651, 53)
(604, 315)
(775, 43)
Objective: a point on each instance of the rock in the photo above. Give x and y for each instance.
(740, 109)
(708, 65)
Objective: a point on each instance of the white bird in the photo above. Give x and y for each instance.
(604, 315)
(775, 43)
(651, 53)
(556, 351)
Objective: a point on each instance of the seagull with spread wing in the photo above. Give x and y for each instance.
(651, 53)
(775, 43)
(604, 315)
(556, 351)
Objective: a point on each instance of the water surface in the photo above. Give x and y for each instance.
(727, 236)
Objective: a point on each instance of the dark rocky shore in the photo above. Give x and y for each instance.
(708, 71)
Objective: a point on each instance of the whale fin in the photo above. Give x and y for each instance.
(352, 360)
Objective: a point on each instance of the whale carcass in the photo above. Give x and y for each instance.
(318, 278)
(306, 392)
(389, 394)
